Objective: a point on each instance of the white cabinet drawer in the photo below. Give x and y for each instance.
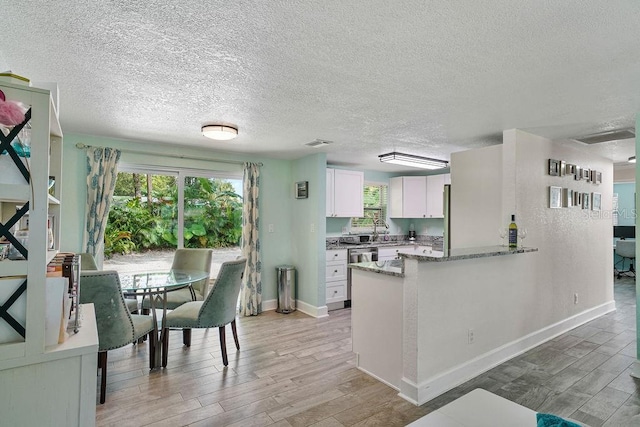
(336, 272)
(337, 292)
(337, 255)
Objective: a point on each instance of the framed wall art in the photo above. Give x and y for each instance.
(555, 197)
(302, 189)
(596, 201)
(585, 201)
(567, 197)
(554, 167)
(586, 174)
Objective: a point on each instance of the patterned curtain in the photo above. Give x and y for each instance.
(251, 292)
(102, 171)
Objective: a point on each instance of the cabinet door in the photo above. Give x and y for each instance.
(348, 193)
(414, 196)
(330, 183)
(435, 196)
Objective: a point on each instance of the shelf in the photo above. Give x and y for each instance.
(53, 200)
(13, 267)
(15, 192)
(51, 254)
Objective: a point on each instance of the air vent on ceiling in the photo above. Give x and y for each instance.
(613, 135)
(318, 143)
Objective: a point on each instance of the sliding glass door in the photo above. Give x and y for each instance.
(156, 211)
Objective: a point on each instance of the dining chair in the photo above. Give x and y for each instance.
(88, 263)
(187, 259)
(117, 327)
(217, 310)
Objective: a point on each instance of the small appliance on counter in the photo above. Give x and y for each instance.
(356, 239)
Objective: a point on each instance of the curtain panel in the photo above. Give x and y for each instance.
(102, 171)
(251, 292)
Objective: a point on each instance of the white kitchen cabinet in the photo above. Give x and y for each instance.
(59, 378)
(386, 254)
(435, 195)
(336, 275)
(417, 196)
(345, 191)
(408, 197)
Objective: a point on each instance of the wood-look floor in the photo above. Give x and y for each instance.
(294, 370)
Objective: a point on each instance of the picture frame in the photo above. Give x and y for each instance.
(570, 169)
(577, 173)
(302, 189)
(586, 174)
(554, 167)
(567, 198)
(596, 201)
(585, 201)
(598, 179)
(577, 198)
(555, 197)
(563, 167)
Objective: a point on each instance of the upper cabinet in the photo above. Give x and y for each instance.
(417, 196)
(408, 197)
(345, 190)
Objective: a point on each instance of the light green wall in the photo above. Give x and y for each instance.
(309, 228)
(626, 202)
(275, 193)
(637, 363)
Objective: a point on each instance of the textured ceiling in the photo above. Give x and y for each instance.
(427, 78)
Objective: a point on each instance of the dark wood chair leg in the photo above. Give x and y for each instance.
(165, 346)
(223, 346)
(235, 333)
(186, 337)
(153, 343)
(102, 364)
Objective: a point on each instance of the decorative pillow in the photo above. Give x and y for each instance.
(549, 420)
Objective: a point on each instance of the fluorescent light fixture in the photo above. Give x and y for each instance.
(220, 132)
(413, 161)
(632, 159)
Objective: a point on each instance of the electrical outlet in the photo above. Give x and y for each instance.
(271, 228)
(471, 336)
(575, 298)
(313, 227)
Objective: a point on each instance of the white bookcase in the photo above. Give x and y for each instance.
(27, 366)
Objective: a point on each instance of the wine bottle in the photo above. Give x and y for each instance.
(513, 233)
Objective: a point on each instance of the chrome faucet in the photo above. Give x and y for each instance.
(375, 228)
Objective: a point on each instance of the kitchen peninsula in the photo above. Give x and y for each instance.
(427, 322)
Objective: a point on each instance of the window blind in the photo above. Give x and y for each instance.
(375, 208)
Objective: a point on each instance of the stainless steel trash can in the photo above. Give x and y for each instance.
(286, 276)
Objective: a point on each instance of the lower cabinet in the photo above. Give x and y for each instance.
(386, 254)
(336, 275)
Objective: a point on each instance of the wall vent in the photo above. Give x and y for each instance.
(318, 143)
(613, 135)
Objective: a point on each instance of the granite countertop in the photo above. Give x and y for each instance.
(394, 267)
(382, 244)
(426, 254)
(466, 253)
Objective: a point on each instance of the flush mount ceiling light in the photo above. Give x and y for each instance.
(220, 132)
(632, 159)
(413, 161)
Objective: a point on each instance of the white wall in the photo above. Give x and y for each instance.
(476, 197)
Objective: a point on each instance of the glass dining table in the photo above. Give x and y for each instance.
(156, 285)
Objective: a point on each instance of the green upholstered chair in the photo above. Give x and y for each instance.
(88, 263)
(217, 310)
(187, 259)
(117, 327)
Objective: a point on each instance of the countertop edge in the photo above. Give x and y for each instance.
(467, 256)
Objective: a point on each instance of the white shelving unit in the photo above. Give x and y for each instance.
(64, 374)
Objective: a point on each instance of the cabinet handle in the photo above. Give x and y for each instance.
(335, 271)
(335, 254)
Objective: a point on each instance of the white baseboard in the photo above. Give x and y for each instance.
(309, 309)
(419, 394)
(312, 310)
(270, 304)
